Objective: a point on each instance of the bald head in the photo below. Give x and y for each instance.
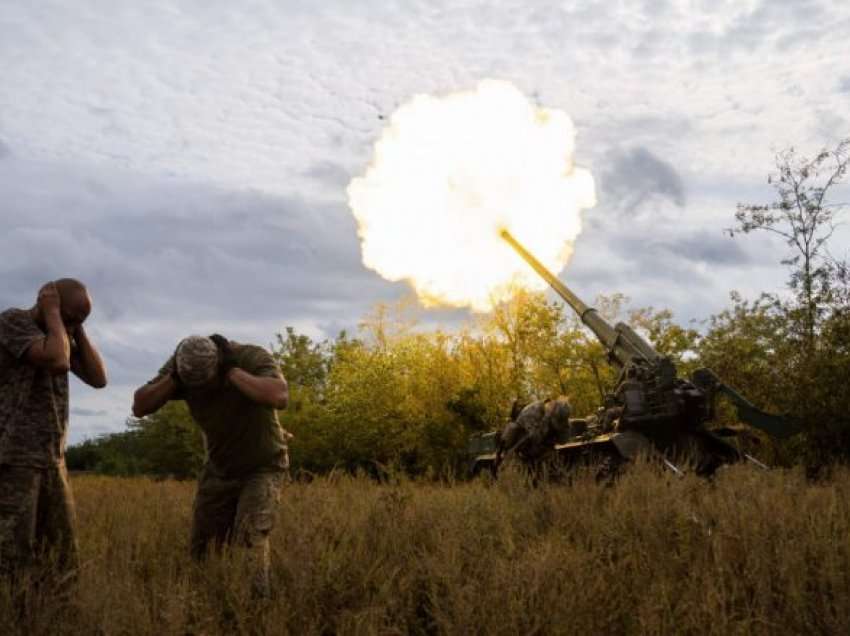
(75, 302)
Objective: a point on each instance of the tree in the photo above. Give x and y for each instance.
(167, 443)
(526, 326)
(667, 337)
(748, 347)
(171, 442)
(303, 362)
(806, 340)
(805, 218)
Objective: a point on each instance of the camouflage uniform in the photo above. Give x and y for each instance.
(36, 506)
(247, 461)
(533, 432)
(241, 511)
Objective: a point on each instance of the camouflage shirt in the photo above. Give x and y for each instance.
(33, 403)
(240, 435)
(537, 427)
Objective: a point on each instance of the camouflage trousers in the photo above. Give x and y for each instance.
(37, 520)
(240, 512)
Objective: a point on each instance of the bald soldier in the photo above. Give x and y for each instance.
(38, 347)
(233, 392)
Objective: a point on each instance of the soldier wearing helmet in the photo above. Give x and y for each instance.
(233, 392)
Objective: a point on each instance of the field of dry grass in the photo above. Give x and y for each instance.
(752, 553)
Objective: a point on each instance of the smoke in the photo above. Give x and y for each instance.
(448, 173)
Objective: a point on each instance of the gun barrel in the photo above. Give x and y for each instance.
(605, 332)
(574, 301)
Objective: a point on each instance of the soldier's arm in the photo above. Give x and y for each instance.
(53, 352)
(269, 390)
(86, 362)
(152, 396)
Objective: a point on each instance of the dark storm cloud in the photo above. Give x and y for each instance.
(634, 176)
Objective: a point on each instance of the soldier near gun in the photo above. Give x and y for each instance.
(38, 347)
(233, 392)
(534, 431)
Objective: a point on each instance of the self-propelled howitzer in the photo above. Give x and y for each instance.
(651, 409)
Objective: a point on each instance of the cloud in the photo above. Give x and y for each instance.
(675, 257)
(844, 84)
(171, 91)
(703, 246)
(5, 151)
(830, 127)
(634, 176)
(688, 271)
(163, 259)
(81, 412)
(328, 173)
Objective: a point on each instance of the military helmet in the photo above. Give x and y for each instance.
(196, 360)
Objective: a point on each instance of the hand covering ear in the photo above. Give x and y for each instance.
(226, 356)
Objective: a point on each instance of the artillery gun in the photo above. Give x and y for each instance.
(651, 411)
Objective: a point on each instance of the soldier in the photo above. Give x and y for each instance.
(233, 392)
(535, 429)
(38, 347)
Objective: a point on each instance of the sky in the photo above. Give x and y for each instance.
(188, 160)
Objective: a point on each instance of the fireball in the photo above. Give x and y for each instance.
(449, 173)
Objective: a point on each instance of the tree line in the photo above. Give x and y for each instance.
(398, 397)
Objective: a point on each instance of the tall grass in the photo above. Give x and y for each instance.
(750, 553)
